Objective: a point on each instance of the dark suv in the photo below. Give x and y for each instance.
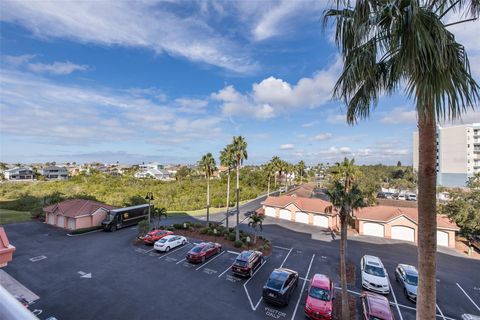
(247, 262)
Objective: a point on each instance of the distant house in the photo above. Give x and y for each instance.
(54, 173)
(153, 170)
(76, 213)
(19, 174)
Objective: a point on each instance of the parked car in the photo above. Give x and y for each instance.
(374, 275)
(203, 251)
(169, 242)
(320, 295)
(388, 195)
(411, 197)
(247, 262)
(394, 195)
(375, 306)
(381, 195)
(156, 235)
(407, 276)
(279, 286)
(401, 196)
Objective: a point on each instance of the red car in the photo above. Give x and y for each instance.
(375, 306)
(155, 235)
(320, 295)
(203, 251)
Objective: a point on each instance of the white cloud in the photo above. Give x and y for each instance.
(272, 97)
(287, 146)
(400, 115)
(48, 112)
(17, 61)
(337, 119)
(309, 124)
(192, 106)
(131, 24)
(322, 136)
(60, 68)
(471, 116)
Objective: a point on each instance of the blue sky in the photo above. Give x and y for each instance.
(169, 81)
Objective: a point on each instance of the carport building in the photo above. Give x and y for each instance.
(76, 213)
(401, 224)
(304, 210)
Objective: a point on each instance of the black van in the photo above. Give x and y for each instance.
(124, 217)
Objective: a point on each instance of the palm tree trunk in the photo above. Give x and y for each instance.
(268, 186)
(427, 217)
(228, 196)
(275, 180)
(208, 200)
(237, 231)
(343, 264)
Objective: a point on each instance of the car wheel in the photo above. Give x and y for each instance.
(183, 242)
(406, 293)
(203, 259)
(113, 228)
(250, 274)
(396, 277)
(218, 250)
(167, 249)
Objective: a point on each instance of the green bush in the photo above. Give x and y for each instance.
(197, 225)
(231, 229)
(204, 230)
(178, 226)
(170, 228)
(210, 232)
(231, 236)
(238, 244)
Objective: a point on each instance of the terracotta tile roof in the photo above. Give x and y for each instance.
(304, 204)
(304, 191)
(389, 213)
(76, 207)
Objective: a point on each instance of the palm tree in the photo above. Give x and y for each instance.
(239, 148)
(157, 215)
(269, 170)
(255, 221)
(345, 201)
(301, 170)
(388, 45)
(208, 165)
(227, 160)
(275, 164)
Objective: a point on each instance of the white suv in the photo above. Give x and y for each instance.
(374, 275)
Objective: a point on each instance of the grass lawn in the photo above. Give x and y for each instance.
(200, 211)
(12, 216)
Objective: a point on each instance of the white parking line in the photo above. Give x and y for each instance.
(468, 297)
(246, 291)
(229, 267)
(441, 313)
(394, 298)
(149, 251)
(173, 251)
(181, 260)
(233, 252)
(286, 257)
(203, 265)
(303, 288)
(283, 248)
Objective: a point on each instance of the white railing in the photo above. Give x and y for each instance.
(11, 309)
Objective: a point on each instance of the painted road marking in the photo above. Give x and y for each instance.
(246, 291)
(468, 297)
(37, 258)
(181, 260)
(441, 313)
(221, 274)
(394, 297)
(85, 275)
(203, 265)
(147, 251)
(303, 288)
(274, 313)
(286, 257)
(173, 251)
(170, 259)
(283, 248)
(209, 271)
(233, 252)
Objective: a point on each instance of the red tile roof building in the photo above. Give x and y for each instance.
(6, 249)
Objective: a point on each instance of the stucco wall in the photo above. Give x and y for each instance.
(332, 221)
(84, 222)
(98, 217)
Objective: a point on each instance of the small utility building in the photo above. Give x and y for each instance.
(76, 213)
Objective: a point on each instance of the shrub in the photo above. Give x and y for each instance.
(204, 230)
(231, 236)
(170, 228)
(266, 246)
(210, 232)
(238, 244)
(231, 229)
(178, 226)
(197, 225)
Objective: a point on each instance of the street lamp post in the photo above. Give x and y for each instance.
(149, 197)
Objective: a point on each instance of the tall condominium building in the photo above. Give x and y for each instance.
(458, 154)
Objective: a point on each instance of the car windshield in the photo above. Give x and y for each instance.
(163, 240)
(275, 284)
(319, 293)
(241, 263)
(411, 280)
(374, 271)
(197, 249)
(159, 233)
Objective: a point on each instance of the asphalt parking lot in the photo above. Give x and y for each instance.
(103, 275)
